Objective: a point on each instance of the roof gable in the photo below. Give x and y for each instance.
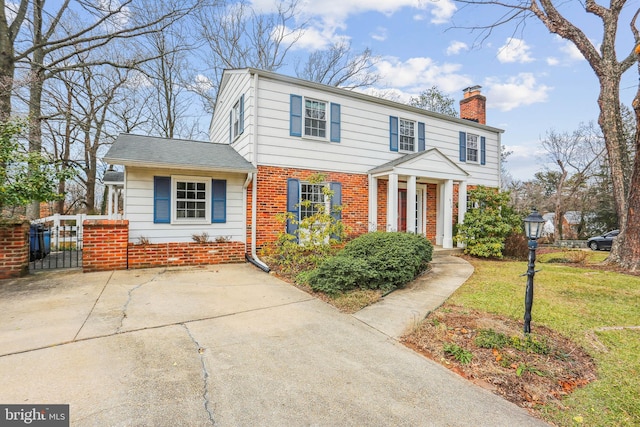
(430, 163)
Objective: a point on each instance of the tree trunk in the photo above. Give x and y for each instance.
(629, 258)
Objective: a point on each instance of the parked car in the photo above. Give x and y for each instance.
(597, 243)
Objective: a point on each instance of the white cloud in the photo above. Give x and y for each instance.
(312, 38)
(332, 16)
(514, 50)
(380, 34)
(455, 47)
(417, 74)
(517, 91)
(551, 61)
(201, 84)
(570, 51)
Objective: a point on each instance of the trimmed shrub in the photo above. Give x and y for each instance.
(376, 260)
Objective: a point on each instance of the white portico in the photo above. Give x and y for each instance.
(410, 181)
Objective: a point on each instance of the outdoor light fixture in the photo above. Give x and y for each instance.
(533, 224)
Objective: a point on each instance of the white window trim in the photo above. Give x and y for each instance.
(415, 137)
(235, 123)
(477, 160)
(327, 119)
(174, 204)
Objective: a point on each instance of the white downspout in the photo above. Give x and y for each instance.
(254, 192)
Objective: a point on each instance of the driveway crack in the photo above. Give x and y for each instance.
(130, 296)
(205, 375)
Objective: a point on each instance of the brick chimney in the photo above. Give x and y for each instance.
(473, 105)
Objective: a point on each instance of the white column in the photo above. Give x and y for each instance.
(392, 203)
(462, 204)
(439, 214)
(373, 203)
(411, 204)
(447, 211)
(110, 201)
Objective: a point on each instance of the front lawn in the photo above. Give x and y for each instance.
(597, 309)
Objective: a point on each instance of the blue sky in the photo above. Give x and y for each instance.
(534, 81)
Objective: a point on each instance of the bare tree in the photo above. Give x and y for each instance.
(237, 36)
(576, 156)
(53, 30)
(608, 69)
(339, 66)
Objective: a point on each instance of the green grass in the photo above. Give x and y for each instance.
(577, 302)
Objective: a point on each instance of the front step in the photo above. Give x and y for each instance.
(440, 251)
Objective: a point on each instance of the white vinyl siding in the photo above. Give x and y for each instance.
(139, 207)
(364, 131)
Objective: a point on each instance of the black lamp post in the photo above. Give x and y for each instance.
(533, 228)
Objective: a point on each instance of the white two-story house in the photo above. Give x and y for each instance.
(391, 166)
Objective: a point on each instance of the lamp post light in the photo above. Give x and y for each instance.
(533, 225)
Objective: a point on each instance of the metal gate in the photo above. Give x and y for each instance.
(58, 246)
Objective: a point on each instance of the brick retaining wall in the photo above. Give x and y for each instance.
(14, 249)
(184, 254)
(107, 247)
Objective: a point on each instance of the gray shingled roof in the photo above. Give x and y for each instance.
(150, 151)
(113, 177)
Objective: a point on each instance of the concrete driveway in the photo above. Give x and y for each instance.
(225, 345)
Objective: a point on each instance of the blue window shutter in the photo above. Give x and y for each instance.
(335, 122)
(231, 126)
(241, 118)
(336, 200)
(393, 133)
(161, 199)
(218, 200)
(463, 147)
(295, 119)
(293, 201)
(483, 150)
(421, 137)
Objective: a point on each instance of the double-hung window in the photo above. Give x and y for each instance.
(407, 135)
(236, 119)
(312, 199)
(315, 118)
(472, 147)
(189, 199)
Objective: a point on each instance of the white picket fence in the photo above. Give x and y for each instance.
(66, 230)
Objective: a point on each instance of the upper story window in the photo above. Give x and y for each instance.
(407, 135)
(236, 119)
(315, 118)
(312, 118)
(472, 147)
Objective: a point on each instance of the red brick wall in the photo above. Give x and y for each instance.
(432, 212)
(184, 254)
(14, 250)
(383, 185)
(107, 247)
(474, 108)
(105, 244)
(272, 200)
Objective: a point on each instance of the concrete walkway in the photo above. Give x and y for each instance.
(397, 313)
(223, 345)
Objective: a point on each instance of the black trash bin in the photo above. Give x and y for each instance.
(38, 243)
